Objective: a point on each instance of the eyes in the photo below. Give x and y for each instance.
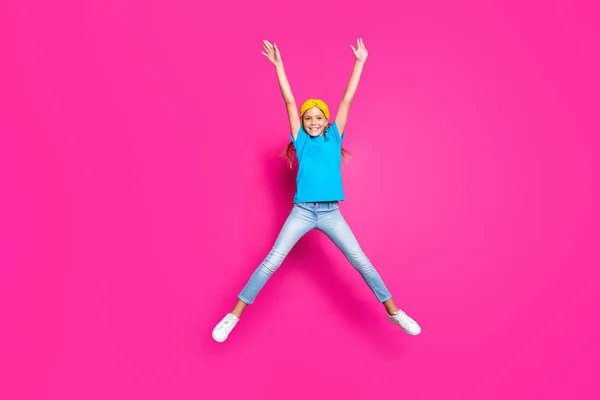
(308, 118)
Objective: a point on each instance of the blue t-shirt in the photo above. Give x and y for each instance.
(320, 160)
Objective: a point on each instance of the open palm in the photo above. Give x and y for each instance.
(360, 52)
(271, 52)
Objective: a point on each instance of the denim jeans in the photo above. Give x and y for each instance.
(326, 217)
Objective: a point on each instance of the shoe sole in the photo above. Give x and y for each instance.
(405, 331)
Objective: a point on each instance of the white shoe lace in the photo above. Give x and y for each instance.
(402, 317)
(229, 319)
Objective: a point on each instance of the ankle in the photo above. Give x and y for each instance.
(391, 310)
(238, 309)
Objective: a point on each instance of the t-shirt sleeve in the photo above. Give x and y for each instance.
(301, 138)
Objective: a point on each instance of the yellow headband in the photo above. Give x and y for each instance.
(310, 103)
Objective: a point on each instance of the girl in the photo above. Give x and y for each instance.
(318, 148)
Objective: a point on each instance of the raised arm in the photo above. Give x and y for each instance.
(272, 53)
(361, 54)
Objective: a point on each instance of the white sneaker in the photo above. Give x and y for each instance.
(221, 332)
(405, 322)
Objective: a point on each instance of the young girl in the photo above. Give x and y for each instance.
(318, 148)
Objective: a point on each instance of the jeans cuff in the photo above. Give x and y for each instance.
(389, 297)
(242, 298)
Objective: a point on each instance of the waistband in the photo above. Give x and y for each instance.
(324, 205)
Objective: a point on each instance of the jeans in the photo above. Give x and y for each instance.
(326, 217)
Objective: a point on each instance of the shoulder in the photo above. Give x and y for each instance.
(299, 136)
(334, 131)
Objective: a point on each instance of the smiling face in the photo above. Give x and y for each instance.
(314, 121)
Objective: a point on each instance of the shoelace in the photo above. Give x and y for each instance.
(402, 317)
(228, 320)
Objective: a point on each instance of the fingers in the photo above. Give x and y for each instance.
(360, 45)
(271, 49)
(269, 52)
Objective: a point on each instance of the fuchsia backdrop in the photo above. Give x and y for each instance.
(141, 186)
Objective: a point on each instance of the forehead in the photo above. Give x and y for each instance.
(313, 111)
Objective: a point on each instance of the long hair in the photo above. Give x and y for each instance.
(290, 152)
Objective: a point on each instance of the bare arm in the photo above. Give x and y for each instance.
(361, 57)
(272, 53)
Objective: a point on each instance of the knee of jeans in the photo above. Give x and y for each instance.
(359, 259)
(272, 262)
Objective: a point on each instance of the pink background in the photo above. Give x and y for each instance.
(141, 186)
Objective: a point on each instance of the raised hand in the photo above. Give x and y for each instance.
(271, 52)
(360, 52)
